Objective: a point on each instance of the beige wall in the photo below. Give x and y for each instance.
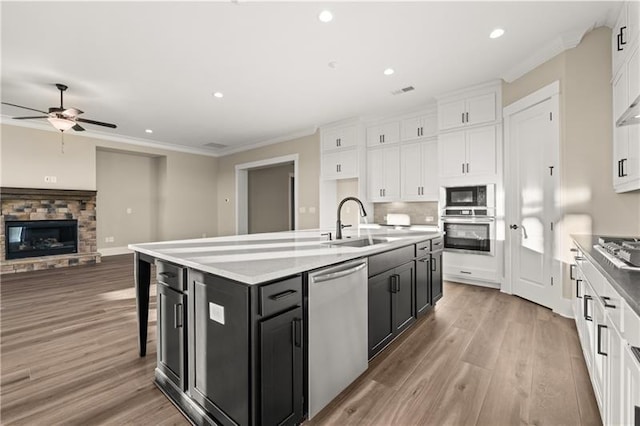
(350, 214)
(308, 149)
(126, 181)
(187, 188)
(589, 201)
(268, 198)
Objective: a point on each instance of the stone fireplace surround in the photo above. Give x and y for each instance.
(50, 204)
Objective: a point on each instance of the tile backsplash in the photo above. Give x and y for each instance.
(421, 213)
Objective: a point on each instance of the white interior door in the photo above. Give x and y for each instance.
(533, 145)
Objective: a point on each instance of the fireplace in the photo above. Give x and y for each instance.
(34, 238)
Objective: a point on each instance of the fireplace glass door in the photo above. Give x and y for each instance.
(40, 238)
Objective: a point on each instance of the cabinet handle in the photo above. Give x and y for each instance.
(605, 299)
(384, 192)
(282, 295)
(619, 38)
(572, 276)
(462, 168)
(383, 141)
(578, 289)
(467, 117)
(467, 167)
(397, 283)
(465, 272)
(622, 41)
(167, 274)
(586, 307)
(622, 172)
(297, 332)
(177, 315)
(599, 337)
(433, 264)
(619, 171)
(463, 117)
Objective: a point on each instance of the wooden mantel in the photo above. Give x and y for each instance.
(29, 193)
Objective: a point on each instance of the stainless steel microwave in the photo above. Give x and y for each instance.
(470, 196)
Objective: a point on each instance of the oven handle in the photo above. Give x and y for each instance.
(459, 219)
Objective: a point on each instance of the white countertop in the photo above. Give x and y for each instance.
(257, 258)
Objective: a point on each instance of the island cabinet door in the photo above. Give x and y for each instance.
(436, 277)
(380, 312)
(281, 369)
(171, 334)
(219, 347)
(404, 296)
(423, 285)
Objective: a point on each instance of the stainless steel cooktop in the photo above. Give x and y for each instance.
(624, 253)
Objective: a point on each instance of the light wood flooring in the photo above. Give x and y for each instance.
(69, 356)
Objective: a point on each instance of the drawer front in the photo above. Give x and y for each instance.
(280, 296)
(437, 244)
(171, 275)
(612, 305)
(595, 278)
(423, 248)
(388, 260)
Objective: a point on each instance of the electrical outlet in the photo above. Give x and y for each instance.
(303, 209)
(47, 179)
(429, 218)
(109, 239)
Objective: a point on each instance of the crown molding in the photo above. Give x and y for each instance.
(295, 135)
(566, 41)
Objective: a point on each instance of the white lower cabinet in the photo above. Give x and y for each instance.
(603, 320)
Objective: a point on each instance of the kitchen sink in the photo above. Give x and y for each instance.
(360, 242)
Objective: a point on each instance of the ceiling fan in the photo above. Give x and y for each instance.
(60, 117)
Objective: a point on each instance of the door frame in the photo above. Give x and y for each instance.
(242, 189)
(549, 92)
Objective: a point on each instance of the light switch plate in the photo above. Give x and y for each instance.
(216, 313)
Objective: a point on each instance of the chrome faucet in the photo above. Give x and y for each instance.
(339, 225)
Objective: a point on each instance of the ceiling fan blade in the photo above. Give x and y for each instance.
(24, 107)
(97, 123)
(71, 112)
(78, 128)
(28, 118)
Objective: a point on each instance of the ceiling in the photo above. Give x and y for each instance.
(156, 65)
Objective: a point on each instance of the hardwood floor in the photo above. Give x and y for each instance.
(69, 356)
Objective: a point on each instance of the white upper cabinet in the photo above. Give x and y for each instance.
(383, 134)
(342, 137)
(340, 164)
(383, 174)
(419, 171)
(467, 112)
(626, 89)
(469, 153)
(419, 127)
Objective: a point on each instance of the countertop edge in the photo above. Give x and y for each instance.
(282, 273)
(586, 251)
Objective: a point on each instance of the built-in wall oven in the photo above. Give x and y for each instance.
(468, 219)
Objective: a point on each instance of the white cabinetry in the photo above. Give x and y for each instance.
(419, 127)
(342, 137)
(383, 134)
(383, 174)
(419, 171)
(626, 89)
(468, 153)
(340, 164)
(607, 329)
(469, 111)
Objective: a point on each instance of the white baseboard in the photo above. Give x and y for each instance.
(564, 308)
(114, 251)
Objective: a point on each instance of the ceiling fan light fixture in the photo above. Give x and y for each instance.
(61, 123)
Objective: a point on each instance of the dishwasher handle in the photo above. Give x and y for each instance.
(338, 274)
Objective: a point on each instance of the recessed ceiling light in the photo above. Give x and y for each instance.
(149, 131)
(333, 65)
(498, 32)
(638, 116)
(218, 95)
(325, 16)
(388, 71)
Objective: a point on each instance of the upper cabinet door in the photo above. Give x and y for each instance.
(411, 167)
(392, 173)
(619, 40)
(452, 154)
(451, 114)
(411, 128)
(430, 182)
(480, 109)
(383, 134)
(339, 138)
(481, 151)
(375, 174)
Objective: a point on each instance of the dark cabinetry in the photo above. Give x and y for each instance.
(172, 323)
(436, 276)
(423, 284)
(391, 298)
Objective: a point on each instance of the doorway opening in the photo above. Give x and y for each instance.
(267, 195)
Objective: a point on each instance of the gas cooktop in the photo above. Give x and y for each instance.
(624, 253)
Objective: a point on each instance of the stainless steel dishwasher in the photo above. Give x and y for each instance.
(337, 307)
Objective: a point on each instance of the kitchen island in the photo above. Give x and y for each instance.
(233, 328)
